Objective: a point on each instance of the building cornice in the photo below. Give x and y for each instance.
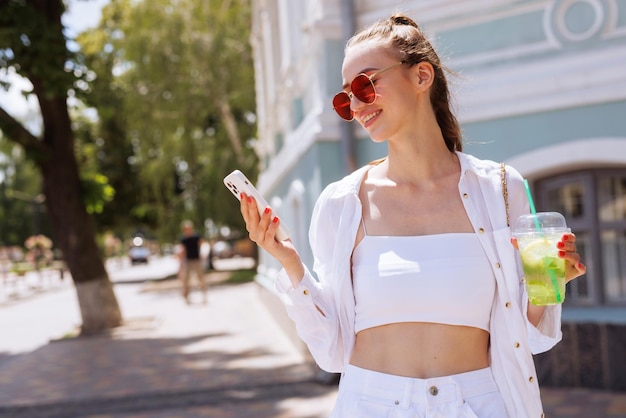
(577, 79)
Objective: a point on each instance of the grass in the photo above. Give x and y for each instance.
(21, 268)
(241, 276)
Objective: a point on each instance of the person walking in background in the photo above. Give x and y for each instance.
(419, 299)
(191, 260)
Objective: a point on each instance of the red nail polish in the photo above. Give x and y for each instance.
(565, 238)
(275, 219)
(267, 210)
(249, 199)
(240, 196)
(560, 244)
(561, 254)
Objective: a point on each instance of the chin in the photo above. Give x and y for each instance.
(378, 137)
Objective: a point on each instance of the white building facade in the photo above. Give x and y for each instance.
(540, 85)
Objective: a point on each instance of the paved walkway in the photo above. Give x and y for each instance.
(227, 358)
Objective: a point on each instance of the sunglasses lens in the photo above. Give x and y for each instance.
(341, 104)
(363, 89)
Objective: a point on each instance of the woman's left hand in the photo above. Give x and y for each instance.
(567, 251)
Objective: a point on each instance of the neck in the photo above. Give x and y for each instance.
(420, 159)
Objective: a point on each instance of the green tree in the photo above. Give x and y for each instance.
(22, 211)
(109, 150)
(184, 79)
(33, 45)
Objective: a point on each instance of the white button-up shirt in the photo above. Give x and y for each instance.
(323, 308)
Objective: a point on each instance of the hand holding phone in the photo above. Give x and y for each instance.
(238, 183)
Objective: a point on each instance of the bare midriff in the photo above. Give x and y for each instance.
(421, 349)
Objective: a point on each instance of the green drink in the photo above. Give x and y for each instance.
(543, 269)
(537, 236)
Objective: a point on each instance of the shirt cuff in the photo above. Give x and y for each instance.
(548, 332)
(301, 296)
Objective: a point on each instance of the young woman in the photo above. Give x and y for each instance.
(419, 300)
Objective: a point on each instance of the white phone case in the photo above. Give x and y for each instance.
(238, 183)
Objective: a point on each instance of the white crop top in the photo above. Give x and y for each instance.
(444, 278)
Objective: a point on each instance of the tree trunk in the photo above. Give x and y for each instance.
(74, 229)
(98, 306)
(231, 128)
(44, 64)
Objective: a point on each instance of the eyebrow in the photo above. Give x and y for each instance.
(363, 71)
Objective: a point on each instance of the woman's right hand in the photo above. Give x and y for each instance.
(262, 230)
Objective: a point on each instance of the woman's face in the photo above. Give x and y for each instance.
(395, 94)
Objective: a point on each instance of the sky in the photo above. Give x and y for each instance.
(80, 15)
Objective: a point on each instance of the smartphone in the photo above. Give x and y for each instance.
(238, 183)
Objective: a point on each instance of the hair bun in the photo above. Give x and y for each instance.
(399, 19)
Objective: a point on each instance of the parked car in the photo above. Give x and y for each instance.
(222, 249)
(138, 255)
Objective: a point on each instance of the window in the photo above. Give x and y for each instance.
(594, 204)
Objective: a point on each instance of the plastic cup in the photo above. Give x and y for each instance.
(537, 235)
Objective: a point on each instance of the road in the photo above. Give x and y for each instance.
(35, 310)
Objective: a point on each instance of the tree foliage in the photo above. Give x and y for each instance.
(174, 88)
(22, 212)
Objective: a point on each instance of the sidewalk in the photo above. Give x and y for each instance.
(227, 358)
(223, 359)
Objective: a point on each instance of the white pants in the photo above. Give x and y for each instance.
(368, 394)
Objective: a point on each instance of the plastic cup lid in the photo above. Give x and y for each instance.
(540, 222)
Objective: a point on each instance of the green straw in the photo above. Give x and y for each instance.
(530, 201)
(533, 210)
(532, 205)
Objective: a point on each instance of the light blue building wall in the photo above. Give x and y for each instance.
(504, 138)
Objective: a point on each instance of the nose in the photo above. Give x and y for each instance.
(355, 103)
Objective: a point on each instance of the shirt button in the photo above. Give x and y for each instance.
(481, 230)
(498, 265)
(531, 379)
(305, 292)
(516, 345)
(523, 280)
(397, 402)
(433, 390)
(508, 304)
(465, 195)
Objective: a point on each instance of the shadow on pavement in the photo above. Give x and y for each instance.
(102, 375)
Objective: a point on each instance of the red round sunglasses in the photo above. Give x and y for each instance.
(361, 87)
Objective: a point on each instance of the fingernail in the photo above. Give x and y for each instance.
(579, 266)
(240, 196)
(560, 245)
(565, 238)
(275, 219)
(249, 199)
(267, 210)
(561, 254)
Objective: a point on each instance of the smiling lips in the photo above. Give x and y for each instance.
(370, 116)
